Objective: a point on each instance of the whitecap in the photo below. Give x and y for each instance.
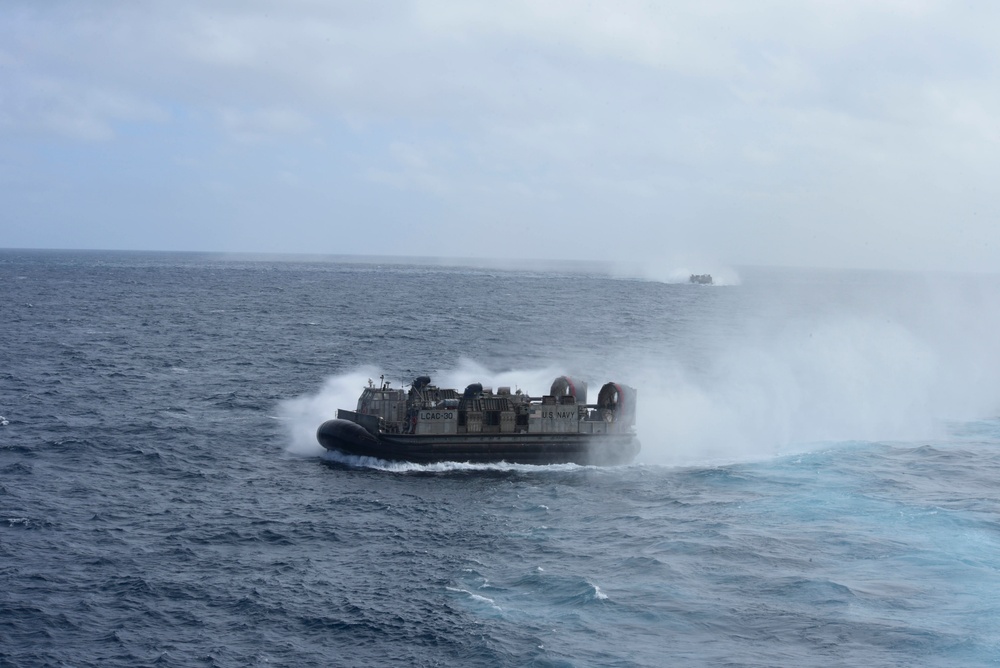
(598, 594)
(478, 598)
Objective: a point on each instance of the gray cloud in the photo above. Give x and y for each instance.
(838, 134)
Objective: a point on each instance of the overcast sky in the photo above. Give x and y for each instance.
(835, 133)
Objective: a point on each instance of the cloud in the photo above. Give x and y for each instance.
(70, 109)
(845, 133)
(259, 124)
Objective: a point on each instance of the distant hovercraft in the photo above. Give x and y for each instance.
(428, 424)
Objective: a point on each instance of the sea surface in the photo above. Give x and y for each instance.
(819, 483)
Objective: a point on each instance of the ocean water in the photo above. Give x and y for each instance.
(818, 484)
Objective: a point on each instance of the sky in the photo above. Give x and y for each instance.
(705, 133)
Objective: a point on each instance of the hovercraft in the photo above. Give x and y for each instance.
(427, 424)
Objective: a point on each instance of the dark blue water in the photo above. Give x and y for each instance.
(818, 484)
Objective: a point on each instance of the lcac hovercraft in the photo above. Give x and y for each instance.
(427, 424)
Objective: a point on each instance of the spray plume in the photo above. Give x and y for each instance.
(791, 378)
